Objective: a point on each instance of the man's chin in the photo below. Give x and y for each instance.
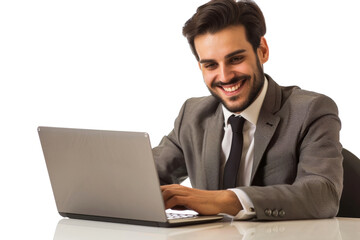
(231, 103)
(234, 109)
(234, 105)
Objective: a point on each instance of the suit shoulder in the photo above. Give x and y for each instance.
(303, 97)
(206, 104)
(304, 101)
(197, 111)
(201, 100)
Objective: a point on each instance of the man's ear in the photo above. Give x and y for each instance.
(263, 51)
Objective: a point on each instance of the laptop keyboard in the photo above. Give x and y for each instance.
(172, 216)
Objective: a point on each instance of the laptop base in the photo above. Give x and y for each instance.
(141, 222)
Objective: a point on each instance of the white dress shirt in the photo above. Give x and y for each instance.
(251, 115)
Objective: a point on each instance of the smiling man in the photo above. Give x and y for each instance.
(253, 149)
(232, 70)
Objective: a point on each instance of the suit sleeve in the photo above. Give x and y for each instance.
(316, 190)
(169, 157)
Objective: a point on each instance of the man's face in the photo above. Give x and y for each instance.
(231, 69)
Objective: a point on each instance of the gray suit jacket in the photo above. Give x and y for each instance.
(297, 171)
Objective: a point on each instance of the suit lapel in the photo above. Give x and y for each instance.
(212, 149)
(265, 130)
(267, 123)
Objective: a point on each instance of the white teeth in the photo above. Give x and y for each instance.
(232, 89)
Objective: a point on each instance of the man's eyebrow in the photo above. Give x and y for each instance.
(227, 56)
(206, 61)
(235, 53)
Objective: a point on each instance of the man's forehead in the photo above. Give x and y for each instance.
(221, 43)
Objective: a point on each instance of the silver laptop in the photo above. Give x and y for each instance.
(107, 176)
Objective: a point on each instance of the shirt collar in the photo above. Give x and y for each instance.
(251, 113)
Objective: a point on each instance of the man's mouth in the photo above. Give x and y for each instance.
(235, 88)
(232, 88)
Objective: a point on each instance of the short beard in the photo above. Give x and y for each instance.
(258, 78)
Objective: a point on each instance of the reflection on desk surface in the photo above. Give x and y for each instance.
(329, 229)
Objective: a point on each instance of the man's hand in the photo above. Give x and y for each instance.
(202, 201)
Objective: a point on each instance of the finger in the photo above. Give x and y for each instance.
(175, 202)
(170, 190)
(179, 208)
(170, 186)
(174, 196)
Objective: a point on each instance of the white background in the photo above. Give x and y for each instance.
(124, 65)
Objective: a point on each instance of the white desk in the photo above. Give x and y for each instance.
(327, 229)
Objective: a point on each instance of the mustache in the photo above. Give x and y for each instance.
(234, 80)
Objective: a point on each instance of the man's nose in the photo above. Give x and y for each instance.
(226, 74)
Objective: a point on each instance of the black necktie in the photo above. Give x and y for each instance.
(233, 162)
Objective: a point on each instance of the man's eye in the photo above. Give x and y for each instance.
(235, 60)
(210, 65)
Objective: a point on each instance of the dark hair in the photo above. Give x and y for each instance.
(219, 14)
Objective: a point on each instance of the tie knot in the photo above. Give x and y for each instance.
(237, 123)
